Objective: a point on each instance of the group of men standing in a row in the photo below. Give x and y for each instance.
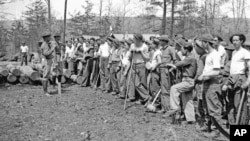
(206, 68)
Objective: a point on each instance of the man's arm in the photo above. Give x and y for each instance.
(247, 83)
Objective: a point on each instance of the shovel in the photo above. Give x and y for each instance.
(151, 107)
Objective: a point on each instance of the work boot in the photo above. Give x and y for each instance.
(170, 113)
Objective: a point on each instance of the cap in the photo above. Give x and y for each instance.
(46, 34)
(229, 47)
(138, 36)
(181, 42)
(164, 38)
(207, 38)
(57, 35)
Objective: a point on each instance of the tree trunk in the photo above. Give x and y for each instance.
(163, 26)
(49, 16)
(65, 19)
(12, 69)
(172, 19)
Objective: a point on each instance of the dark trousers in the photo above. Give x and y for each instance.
(211, 90)
(139, 83)
(95, 73)
(114, 76)
(234, 96)
(104, 73)
(24, 58)
(87, 72)
(165, 88)
(154, 83)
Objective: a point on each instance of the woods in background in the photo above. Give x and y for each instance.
(187, 17)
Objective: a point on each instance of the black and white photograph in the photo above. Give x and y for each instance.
(124, 70)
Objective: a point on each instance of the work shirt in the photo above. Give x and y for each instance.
(24, 49)
(125, 58)
(212, 62)
(58, 48)
(137, 55)
(104, 50)
(115, 55)
(154, 61)
(239, 57)
(47, 50)
(69, 52)
(222, 53)
(168, 55)
(188, 65)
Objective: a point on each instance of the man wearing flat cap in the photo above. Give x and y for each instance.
(239, 80)
(139, 55)
(24, 53)
(58, 64)
(211, 82)
(48, 51)
(185, 87)
(168, 57)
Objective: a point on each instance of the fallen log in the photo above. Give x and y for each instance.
(67, 73)
(4, 72)
(11, 78)
(23, 79)
(28, 71)
(14, 70)
(63, 80)
(77, 79)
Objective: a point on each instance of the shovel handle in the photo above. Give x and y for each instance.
(240, 107)
(156, 97)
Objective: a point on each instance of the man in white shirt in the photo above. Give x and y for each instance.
(220, 49)
(104, 52)
(24, 49)
(211, 82)
(238, 80)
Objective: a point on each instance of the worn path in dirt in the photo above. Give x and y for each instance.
(81, 114)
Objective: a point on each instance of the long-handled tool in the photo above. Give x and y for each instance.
(151, 107)
(240, 108)
(129, 78)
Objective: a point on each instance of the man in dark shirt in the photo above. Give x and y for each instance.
(189, 67)
(47, 50)
(168, 56)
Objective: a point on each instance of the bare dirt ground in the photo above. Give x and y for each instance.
(81, 114)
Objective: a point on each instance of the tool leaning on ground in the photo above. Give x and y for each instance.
(129, 78)
(151, 107)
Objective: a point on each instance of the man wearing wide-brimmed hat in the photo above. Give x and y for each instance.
(24, 53)
(47, 50)
(239, 80)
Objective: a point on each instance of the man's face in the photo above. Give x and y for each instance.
(163, 43)
(137, 42)
(57, 38)
(205, 45)
(236, 42)
(47, 39)
(217, 42)
(183, 51)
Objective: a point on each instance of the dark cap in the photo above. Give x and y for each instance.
(207, 38)
(242, 37)
(46, 34)
(138, 36)
(181, 42)
(57, 35)
(164, 38)
(230, 47)
(198, 43)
